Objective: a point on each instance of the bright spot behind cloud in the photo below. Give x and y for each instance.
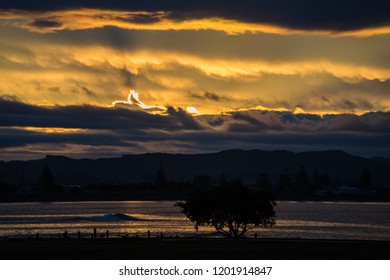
(192, 110)
(133, 99)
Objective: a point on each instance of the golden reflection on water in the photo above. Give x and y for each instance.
(294, 219)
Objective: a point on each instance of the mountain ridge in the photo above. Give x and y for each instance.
(244, 164)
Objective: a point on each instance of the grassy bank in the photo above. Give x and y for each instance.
(118, 249)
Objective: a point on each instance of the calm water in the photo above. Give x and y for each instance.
(329, 220)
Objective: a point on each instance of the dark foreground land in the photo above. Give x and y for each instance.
(192, 249)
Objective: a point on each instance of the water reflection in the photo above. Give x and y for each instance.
(324, 220)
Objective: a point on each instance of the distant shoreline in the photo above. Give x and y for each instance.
(192, 249)
(168, 196)
(178, 198)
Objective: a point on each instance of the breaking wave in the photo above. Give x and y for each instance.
(117, 217)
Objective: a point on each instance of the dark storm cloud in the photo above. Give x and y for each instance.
(257, 121)
(249, 120)
(130, 129)
(217, 122)
(327, 139)
(305, 14)
(371, 122)
(186, 120)
(90, 117)
(244, 128)
(129, 117)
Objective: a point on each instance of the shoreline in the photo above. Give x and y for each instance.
(173, 197)
(192, 249)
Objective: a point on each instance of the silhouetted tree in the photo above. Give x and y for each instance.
(326, 179)
(160, 180)
(302, 181)
(316, 180)
(263, 182)
(365, 178)
(46, 183)
(202, 181)
(6, 189)
(222, 179)
(284, 181)
(231, 209)
(321, 179)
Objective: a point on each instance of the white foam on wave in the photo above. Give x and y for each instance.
(117, 217)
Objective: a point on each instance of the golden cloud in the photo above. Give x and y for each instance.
(222, 68)
(51, 21)
(72, 69)
(54, 130)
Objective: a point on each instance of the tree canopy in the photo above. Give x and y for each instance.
(231, 209)
(46, 183)
(160, 180)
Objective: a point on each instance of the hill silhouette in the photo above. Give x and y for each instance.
(234, 163)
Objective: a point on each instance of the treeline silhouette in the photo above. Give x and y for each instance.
(287, 185)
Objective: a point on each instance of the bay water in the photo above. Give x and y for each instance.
(313, 220)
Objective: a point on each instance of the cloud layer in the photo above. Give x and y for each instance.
(301, 15)
(300, 75)
(98, 131)
(227, 21)
(171, 73)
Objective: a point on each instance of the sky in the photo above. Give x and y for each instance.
(105, 78)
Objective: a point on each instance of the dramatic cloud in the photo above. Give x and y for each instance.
(51, 21)
(68, 76)
(23, 127)
(203, 76)
(334, 16)
(133, 99)
(14, 114)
